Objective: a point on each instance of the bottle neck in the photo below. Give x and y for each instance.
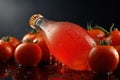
(39, 23)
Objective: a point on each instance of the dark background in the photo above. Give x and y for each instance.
(14, 14)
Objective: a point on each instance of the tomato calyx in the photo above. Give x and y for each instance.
(31, 41)
(107, 33)
(33, 31)
(89, 27)
(101, 28)
(114, 36)
(6, 38)
(106, 43)
(96, 32)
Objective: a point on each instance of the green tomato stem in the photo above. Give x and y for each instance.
(7, 38)
(103, 42)
(101, 28)
(89, 27)
(111, 28)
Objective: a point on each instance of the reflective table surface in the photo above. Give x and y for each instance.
(11, 71)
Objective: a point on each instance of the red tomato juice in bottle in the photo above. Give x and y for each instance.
(68, 42)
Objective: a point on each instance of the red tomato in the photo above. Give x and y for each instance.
(114, 38)
(103, 59)
(32, 35)
(118, 49)
(45, 51)
(96, 34)
(37, 38)
(28, 54)
(6, 52)
(13, 41)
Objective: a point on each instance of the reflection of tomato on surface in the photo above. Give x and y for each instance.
(27, 73)
(3, 71)
(44, 73)
(4, 74)
(36, 37)
(84, 75)
(81, 75)
(56, 78)
(11, 68)
(103, 77)
(28, 54)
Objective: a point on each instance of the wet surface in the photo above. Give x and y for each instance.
(11, 71)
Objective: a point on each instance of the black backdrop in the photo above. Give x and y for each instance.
(14, 14)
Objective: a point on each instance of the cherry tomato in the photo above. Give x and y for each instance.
(36, 37)
(96, 34)
(103, 59)
(45, 51)
(114, 38)
(13, 41)
(31, 35)
(6, 52)
(118, 49)
(28, 54)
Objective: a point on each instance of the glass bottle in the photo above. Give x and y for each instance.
(68, 42)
